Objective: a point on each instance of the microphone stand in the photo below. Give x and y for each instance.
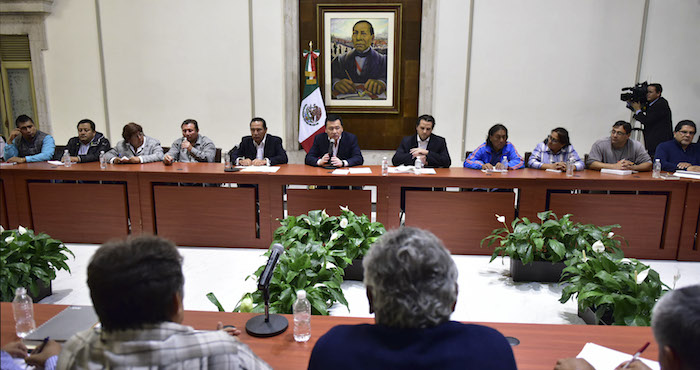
(266, 325)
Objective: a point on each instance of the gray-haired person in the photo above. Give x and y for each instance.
(411, 283)
(675, 322)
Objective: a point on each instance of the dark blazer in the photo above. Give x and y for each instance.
(438, 156)
(273, 150)
(348, 149)
(98, 144)
(657, 122)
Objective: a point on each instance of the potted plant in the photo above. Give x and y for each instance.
(317, 249)
(29, 260)
(537, 250)
(611, 290)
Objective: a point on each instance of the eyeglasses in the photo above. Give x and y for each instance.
(691, 133)
(618, 133)
(553, 140)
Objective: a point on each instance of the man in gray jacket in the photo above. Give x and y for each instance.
(135, 148)
(191, 147)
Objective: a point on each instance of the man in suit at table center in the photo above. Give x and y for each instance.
(191, 147)
(259, 149)
(430, 148)
(619, 151)
(346, 152)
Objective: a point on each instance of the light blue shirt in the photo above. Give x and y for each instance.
(46, 154)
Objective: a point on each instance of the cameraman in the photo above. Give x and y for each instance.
(655, 116)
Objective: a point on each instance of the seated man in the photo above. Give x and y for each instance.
(489, 155)
(618, 151)
(86, 147)
(430, 148)
(135, 148)
(554, 152)
(27, 144)
(136, 288)
(259, 149)
(411, 283)
(346, 152)
(191, 147)
(675, 322)
(680, 153)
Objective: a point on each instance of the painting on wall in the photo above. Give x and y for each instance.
(360, 50)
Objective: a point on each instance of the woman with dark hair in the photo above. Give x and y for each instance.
(554, 151)
(488, 155)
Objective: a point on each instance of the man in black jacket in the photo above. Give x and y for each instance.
(430, 148)
(342, 145)
(259, 149)
(655, 116)
(86, 147)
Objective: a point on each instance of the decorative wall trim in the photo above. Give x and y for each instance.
(292, 55)
(427, 57)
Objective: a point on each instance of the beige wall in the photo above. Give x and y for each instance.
(533, 65)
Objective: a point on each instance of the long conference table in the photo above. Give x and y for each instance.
(540, 344)
(185, 203)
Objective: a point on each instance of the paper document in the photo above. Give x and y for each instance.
(64, 325)
(425, 171)
(688, 174)
(606, 358)
(356, 170)
(340, 171)
(401, 169)
(617, 172)
(8, 163)
(56, 163)
(494, 170)
(259, 168)
(552, 170)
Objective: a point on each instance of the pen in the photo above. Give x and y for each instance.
(348, 74)
(41, 346)
(636, 355)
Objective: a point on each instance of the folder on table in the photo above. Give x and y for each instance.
(64, 325)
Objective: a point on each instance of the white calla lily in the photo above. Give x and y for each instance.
(642, 275)
(610, 235)
(343, 222)
(21, 230)
(324, 214)
(626, 260)
(9, 239)
(307, 221)
(2, 229)
(344, 208)
(334, 236)
(598, 247)
(584, 259)
(246, 305)
(330, 265)
(500, 219)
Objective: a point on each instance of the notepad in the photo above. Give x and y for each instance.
(356, 170)
(66, 324)
(271, 169)
(606, 358)
(616, 172)
(688, 174)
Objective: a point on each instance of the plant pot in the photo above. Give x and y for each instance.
(541, 271)
(588, 316)
(44, 291)
(355, 271)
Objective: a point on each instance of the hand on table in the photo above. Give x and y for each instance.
(573, 364)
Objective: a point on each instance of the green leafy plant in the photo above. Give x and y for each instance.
(600, 281)
(552, 239)
(26, 258)
(317, 249)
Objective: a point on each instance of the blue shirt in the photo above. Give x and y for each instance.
(8, 363)
(484, 154)
(46, 154)
(543, 155)
(671, 153)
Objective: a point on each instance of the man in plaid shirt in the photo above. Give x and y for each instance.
(136, 288)
(554, 151)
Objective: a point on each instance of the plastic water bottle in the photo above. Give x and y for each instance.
(570, 166)
(418, 164)
(504, 162)
(24, 313)
(385, 167)
(656, 171)
(302, 317)
(103, 160)
(226, 159)
(66, 158)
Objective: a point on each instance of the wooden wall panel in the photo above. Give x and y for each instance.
(3, 207)
(205, 216)
(641, 218)
(68, 211)
(689, 247)
(376, 131)
(460, 220)
(301, 201)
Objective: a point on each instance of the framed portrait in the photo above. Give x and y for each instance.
(360, 50)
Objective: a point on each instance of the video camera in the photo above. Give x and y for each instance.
(637, 93)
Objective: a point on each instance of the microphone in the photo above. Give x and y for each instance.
(276, 251)
(330, 155)
(268, 325)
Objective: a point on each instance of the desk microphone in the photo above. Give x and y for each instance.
(330, 155)
(268, 325)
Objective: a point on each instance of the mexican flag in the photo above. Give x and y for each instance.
(312, 114)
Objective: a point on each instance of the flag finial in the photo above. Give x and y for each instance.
(311, 43)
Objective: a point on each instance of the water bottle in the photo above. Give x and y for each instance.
(66, 158)
(504, 162)
(656, 171)
(302, 317)
(226, 159)
(418, 164)
(385, 167)
(24, 313)
(103, 160)
(570, 166)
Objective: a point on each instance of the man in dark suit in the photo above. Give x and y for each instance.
(345, 150)
(259, 149)
(430, 148)
(655, 116)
